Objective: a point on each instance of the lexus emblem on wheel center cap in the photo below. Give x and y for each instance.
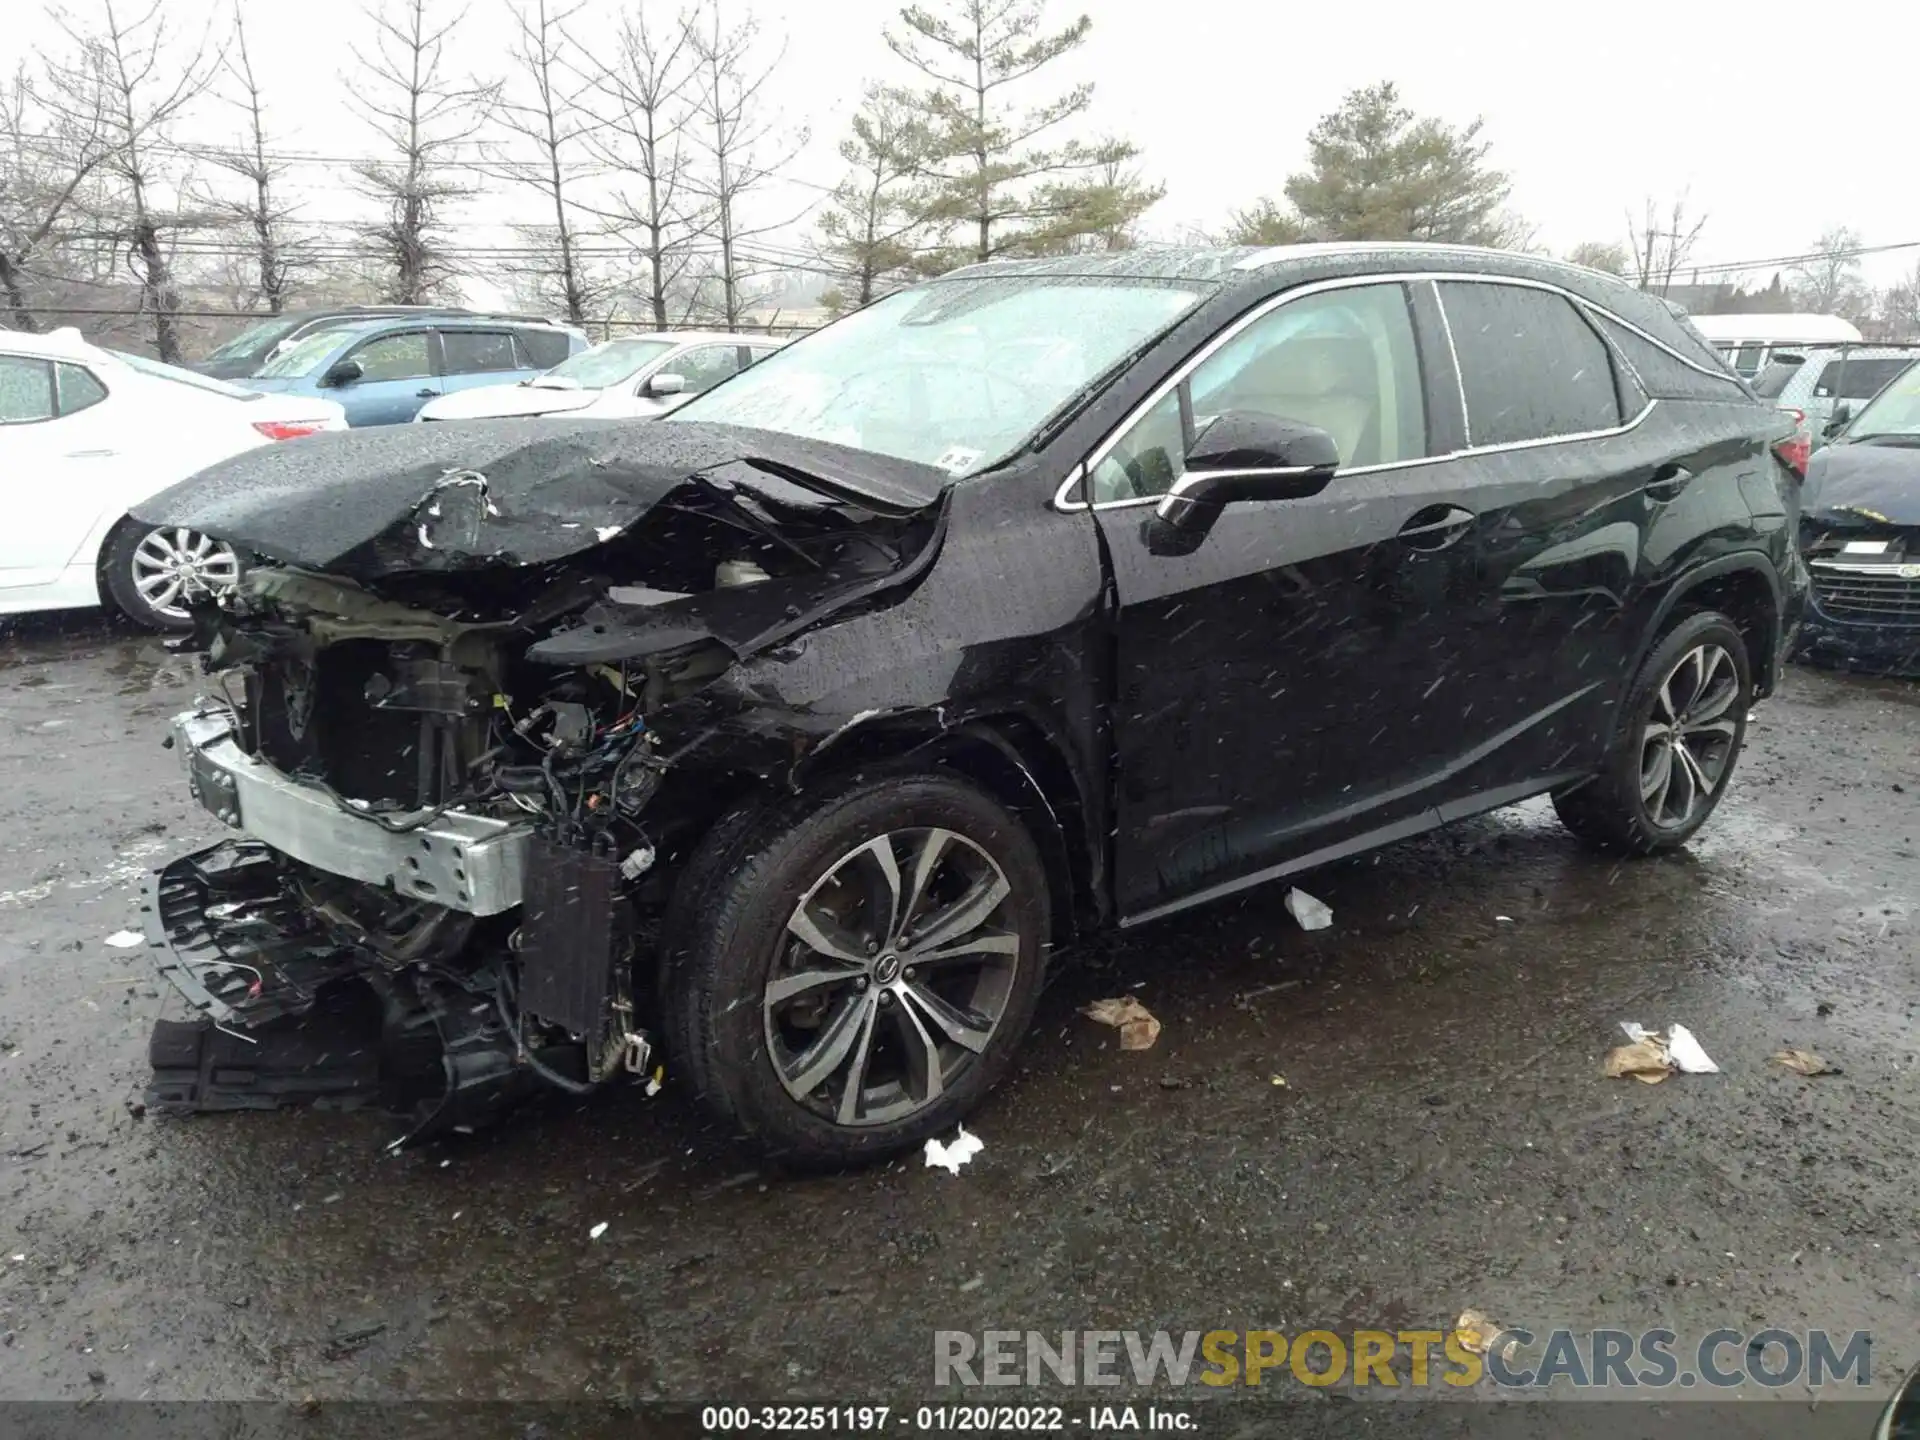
(886, 969)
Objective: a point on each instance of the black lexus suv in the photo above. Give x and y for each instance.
(775, 745)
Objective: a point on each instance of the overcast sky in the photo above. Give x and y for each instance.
(1589, 116)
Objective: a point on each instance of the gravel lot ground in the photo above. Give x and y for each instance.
(1444, 1137)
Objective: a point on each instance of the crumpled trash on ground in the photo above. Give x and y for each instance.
(1805, 1062)
(1136, 1024)
(950, 1157)
(1649, 1057)
(1477, 1333)
(1311, 913)
(126, 939)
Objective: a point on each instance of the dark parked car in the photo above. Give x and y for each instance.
(1860, 531)
(789, 735)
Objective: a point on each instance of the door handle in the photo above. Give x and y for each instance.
(1667, 482)
(89, 454)
(1436, 527)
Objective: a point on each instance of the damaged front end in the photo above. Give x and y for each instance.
(1860, 535)
(458, 731)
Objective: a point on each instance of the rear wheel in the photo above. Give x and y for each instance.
(850, 974)
(152, 574)
(1680, 734)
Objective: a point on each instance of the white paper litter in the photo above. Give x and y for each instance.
(1311, 913)
(951, 1157)
(597, 1231)
(126, 939)
(1682, 1048)
(1686, 1052)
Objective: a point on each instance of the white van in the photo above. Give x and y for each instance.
(1748, 341)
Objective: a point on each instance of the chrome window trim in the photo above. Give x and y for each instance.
(1083, 471)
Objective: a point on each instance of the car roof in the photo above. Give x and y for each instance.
(65, 343)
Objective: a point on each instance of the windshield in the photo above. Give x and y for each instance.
(957, 373)
(254, 337)
(609, 364)
(1896, 411)
(302, 355)
(182, 377)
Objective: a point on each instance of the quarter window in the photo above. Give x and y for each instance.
(1531, 367)
(78, 388)
(1344, 361)
(395, 357)
(477, 352)
(26, 390)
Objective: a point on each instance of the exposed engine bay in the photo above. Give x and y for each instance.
(463, 778)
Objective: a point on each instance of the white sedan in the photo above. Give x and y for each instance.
(84, 434)
(637, 377)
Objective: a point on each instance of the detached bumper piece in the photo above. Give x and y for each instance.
(288, 1014)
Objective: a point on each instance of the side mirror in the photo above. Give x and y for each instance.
(1241, 457)
(345, 373)
(1836, 422)
(666, 383)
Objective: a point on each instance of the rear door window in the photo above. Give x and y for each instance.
(26, 390)
(477, 352)
(1747, 359)
(1531, 366)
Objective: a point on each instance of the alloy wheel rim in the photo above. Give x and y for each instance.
(170, 567)
(894, 973)
(1687, 744)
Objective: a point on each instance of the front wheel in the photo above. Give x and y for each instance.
(850, 973)
(1681, 730)
(152, 574)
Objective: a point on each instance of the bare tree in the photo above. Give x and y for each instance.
(1831, 282)
(149, 82)
(276, 255)
(541, 107)
(53, 140)
(1607, 256)
(736, 136)
(1899, 308)
(642, 97)
(422, 114)
(1661, 252)
(871, 225)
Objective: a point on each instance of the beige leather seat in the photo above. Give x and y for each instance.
(1322, 380)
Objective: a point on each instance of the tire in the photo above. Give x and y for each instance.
(761, 1054)
(135, 555)
(1640, 803)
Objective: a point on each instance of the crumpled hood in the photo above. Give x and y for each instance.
(399, 498)
(495, 401)
(1866, 481)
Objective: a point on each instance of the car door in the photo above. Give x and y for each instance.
(398, 374)
(1565, 478)
(60, 458)
(1283, 691)
(471, 359)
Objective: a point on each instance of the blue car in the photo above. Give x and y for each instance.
(383, 369)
